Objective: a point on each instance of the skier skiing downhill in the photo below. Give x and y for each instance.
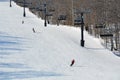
(72, 62)
(33, 30)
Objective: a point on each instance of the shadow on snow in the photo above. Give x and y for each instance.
(4, 0)
(12, 65)
(10, 43)
(26, 74)
(8, 46)
(95, 48)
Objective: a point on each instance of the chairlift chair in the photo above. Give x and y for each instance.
(77, 22)
(62, 17)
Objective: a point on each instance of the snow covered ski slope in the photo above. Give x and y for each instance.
(47, 53)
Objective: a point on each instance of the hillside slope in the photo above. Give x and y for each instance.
(47, 54)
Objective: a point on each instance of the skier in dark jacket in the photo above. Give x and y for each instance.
(72, 62)
(33, 30)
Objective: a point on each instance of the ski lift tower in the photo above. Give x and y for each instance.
(24, 6)
(10, 3)
(82, 12)
(45, 12)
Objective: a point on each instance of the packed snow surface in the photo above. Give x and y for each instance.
(47, 53)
